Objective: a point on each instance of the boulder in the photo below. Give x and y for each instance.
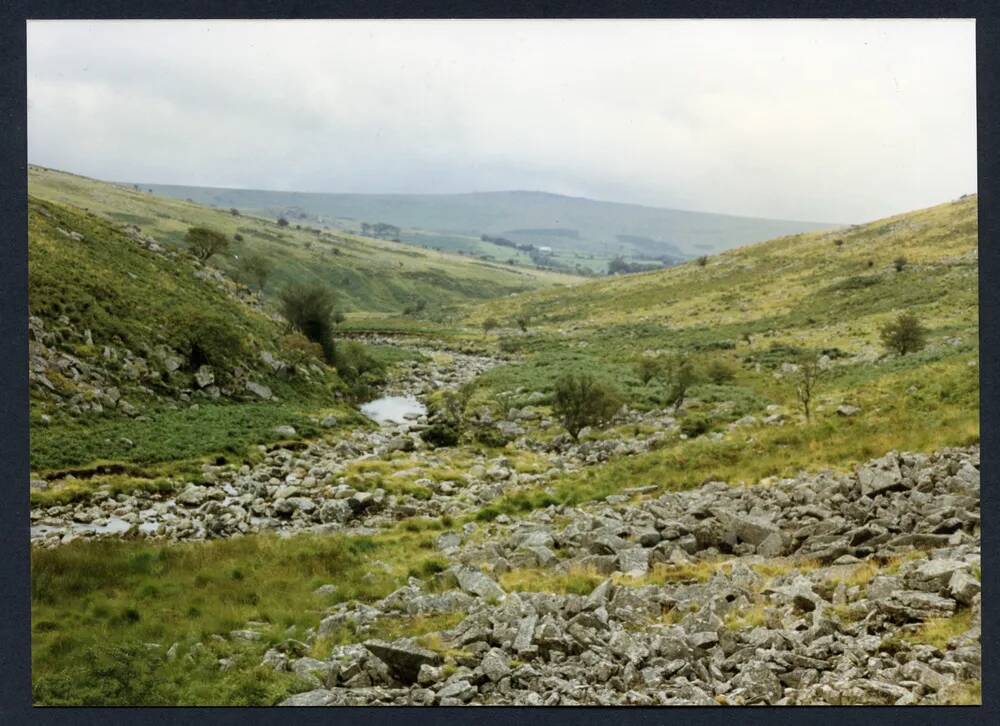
(404, 659)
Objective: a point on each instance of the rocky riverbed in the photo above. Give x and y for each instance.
(825, 589)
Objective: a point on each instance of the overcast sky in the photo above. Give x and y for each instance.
(841, 121)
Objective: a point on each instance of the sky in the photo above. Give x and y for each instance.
(834, 121)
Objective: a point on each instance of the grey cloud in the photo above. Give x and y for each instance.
(824, 120)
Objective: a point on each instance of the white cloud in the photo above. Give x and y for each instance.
(825, 120)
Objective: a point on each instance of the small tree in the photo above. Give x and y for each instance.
(702, 261)
(899, 263)
(680, 376)
(338, 317)
(234, 211)
(490, 324)
(204, 242)
(580, 400)
(282, 222)
(904, 335)
(647, 368)
(309, 309)
(839, 243)
(256, 268)
(720, 371)
(805, 378)
(522, 322)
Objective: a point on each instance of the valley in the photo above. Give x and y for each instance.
(774, 507)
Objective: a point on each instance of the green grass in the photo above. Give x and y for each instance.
(96, 604)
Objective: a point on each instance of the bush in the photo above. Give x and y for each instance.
(204, 338)
(204, 242)
(297, 348)
(489, 324)
(309, 309)
(647, 368)
(580, 400)
(282, 222)
(255, 269)
(695, 425)
(680, 375)
(703, 260)
(720, 371)
(899, 263)
(905, 334)
(440, 434)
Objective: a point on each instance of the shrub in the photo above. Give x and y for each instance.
(490, 324)
(702, 261)
(256, 269)
(720, 371)
(580, 400)
(522, 322)
(695, 425)
(204, 242)
(904, 335)
(440, 434)
(234, 211)
(805, 378)
(647, 368)
(309, 309)
(680, 375)
(839, 243)
(899, 263)
(282, 222)
(299, 349)
(204, 337)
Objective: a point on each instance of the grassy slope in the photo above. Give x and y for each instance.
(129, 297)
(794, 293)
(368, 275)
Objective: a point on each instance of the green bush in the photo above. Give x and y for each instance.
(580, 400)
(309, 309)
(204, 242)
(205, 337)
(905, 334)
(695, 425)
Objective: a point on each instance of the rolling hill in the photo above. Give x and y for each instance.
(369, 275)
(571, 225)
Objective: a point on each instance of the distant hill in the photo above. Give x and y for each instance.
(576, 224)
(369, 275)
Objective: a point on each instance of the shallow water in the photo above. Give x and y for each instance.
(393, 409)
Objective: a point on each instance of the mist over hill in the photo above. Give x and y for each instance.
(577, 224)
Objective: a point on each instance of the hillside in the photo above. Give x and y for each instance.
(367, 274)
(582, 230)
(140, 355)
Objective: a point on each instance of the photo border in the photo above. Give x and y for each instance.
(15, 685)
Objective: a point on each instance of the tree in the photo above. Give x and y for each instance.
(647, 368)
(338, 317)
(522, 322)
(899, 263)
(234, 211)
(905, 334)
(489, 324)
(806, 375)
(702, 261)
(256, 268)
(282, 222)
(839, 243)
(204, 242)
(680, 376)
(309, 309)
(580, 400)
